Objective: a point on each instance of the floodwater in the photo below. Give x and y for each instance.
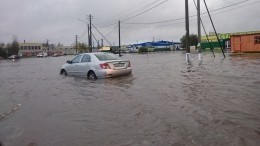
(165, 102)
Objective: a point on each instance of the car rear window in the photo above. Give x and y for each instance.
(108, 56)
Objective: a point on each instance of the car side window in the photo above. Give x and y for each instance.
(86, 58)
(76, 59)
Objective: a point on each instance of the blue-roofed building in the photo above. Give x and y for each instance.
(159, 44)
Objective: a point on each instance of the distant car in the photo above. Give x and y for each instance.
(97, 65)
(56, 55)
(42, 55)
(14, 57)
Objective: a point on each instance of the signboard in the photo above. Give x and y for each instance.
(223, 36)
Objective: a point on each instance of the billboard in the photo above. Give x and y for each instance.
(224, 36)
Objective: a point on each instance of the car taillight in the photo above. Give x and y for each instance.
(105, 66)
(129, 64)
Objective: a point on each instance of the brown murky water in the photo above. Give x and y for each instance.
(165, 102)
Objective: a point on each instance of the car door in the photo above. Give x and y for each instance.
(84, 65)
(73, 68)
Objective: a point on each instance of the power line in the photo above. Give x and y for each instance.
(142, 8)
(102, 35)
(110, 24)
(145, 10)
(111, 31)
(115, 18)
(176, 19)
(83, 34)
(192, 17)
(245, 8)
(137, 10)
(238, 7)
(182, 18)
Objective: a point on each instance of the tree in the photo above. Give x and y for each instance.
(59, 44)
(82, 47)
(13, 48)
(2, 51)
(193, 40)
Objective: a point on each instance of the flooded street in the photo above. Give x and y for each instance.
(165, 102)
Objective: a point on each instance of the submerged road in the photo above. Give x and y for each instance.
(165, 102)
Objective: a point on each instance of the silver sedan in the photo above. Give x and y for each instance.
(96, 65)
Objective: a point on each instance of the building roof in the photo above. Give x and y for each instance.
(245, 34)
(156, 44)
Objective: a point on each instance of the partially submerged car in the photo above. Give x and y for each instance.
(14, 57)
(97, 65)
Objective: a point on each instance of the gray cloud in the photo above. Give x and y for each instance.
(57, 20)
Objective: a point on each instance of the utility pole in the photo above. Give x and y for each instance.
(88, 39)
(199, 29)
(119, 49)
(205, 32)
(214, 29)
(90, 32)
(187, 31)
(76, 44)
(98, 45)
(48, 47)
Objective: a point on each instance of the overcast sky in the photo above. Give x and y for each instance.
(60, 20)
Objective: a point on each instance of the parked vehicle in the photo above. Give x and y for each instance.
(42, 54)
(97, 65)
(56, 55)
(14, 57)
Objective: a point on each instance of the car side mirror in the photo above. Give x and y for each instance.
(68, 61)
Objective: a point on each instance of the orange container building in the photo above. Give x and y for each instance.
(245, 43)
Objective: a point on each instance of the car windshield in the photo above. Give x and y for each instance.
(107, 56)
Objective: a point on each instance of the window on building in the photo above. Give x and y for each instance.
(32, 47)
(29, 47)
(257, 39)
(21, 47)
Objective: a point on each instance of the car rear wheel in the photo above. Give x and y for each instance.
(92, 75)
(63, 72)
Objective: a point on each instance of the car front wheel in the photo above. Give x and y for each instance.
(63, 72)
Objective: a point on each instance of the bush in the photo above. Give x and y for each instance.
(143, 50)
(161, 49)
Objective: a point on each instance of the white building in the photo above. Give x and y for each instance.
(69, 50)
(30, 49)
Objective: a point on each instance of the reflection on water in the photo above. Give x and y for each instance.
(164, 102)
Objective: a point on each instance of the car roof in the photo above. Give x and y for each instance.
(97, 53)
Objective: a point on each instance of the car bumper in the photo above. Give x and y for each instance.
(115, 73)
